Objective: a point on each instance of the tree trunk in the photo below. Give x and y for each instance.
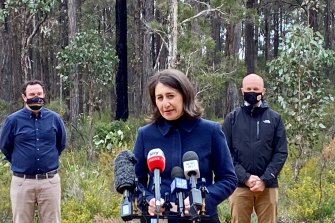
(232, 97)
(24, 45)
(147, 55)
(229, 46)
(173, 34)
(74, 92)
(90, 153)
(6, 68)
(121, 83)
(135, 83)
(266, 35)
(232, 49)
(237, 38)
(327, 22)
(312, 19)
(160, 48)
(74, 79)
(216, 35)
(250, 41)
(276, 30)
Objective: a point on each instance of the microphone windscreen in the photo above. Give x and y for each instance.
(178, 181)
(156, 160)
(190, 155)
(177, 172)
(191, 164)
(124, 171)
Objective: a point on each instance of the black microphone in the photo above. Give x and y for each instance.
(124, 180)
(191, 171)
(179, 185)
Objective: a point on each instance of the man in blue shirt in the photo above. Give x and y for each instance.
(32, 140)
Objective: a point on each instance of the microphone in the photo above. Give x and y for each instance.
(124, 180)
(156, 164)
(179, 185)
(191, 171)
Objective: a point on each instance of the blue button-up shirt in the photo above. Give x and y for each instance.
(32, 143)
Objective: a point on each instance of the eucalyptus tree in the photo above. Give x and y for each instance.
(30, 16)
(95, 58)
(142, 48)
(329, 24)
(173, 34)
(301, 88)
(72, 8)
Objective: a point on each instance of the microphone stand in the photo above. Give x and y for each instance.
(144, 204)
(126, 206)
(180, 204)
(204, 191)
(167, 205)
(137, 193)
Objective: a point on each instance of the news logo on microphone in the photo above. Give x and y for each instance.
(191, 164)
(178, 183)
(156, 164)
(156, 159)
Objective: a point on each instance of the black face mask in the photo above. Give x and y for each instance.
(35, 103)
(252, 97)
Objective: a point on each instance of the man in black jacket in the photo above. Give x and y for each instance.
(257, 141)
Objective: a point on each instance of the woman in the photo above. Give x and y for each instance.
(177, 127)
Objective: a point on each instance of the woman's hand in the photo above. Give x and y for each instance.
(152, 206)
(187, 206)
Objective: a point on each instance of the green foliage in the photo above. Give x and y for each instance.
(94, 56)
(116, 134)
(4, 109)
(301, 86)
(32, 7)
(57, 106)
(87, 187)
(224, 212)
(91, 12)
(210, 87)
(310, 198)
(5, 176)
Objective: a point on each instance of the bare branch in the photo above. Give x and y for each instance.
(217, 9)
(36, 28)
(159, 53)
(156, 31)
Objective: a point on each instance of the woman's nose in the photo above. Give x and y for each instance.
(166, 102)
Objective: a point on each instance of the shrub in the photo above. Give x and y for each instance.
(116, 134)
(87, 188)
(5, 205)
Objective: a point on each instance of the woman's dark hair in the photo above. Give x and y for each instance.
(31, 82)
(179, 81)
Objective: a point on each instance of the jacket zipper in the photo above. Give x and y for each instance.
(257, 130)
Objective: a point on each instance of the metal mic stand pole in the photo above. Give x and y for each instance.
(204, 191)
(136, 196)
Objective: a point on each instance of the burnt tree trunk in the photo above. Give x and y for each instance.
(121, 82)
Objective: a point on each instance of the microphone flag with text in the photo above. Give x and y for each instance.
(124, 180)
(178, 186)
(156, 164)
(191, 171)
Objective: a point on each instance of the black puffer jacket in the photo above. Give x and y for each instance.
(257, 141)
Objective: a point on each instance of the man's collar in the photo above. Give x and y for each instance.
(32, 114)
(256, 105)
